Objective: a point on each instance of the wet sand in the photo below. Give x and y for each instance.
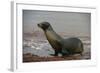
(33, 58)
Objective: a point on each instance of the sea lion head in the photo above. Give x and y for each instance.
(44, 25)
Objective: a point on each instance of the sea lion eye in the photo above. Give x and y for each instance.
(46, 25)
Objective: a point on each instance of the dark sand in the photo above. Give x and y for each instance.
(34, 58)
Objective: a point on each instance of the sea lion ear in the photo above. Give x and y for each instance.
(47, 23)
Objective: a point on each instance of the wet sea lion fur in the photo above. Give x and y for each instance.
(60, 45)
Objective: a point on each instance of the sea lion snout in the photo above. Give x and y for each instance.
(39, 25)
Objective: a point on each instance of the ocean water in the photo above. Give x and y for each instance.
(40, 46)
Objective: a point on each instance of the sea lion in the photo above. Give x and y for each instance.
(60, 45)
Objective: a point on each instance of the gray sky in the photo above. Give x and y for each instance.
(69, 22)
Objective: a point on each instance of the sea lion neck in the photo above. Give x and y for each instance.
(49, 29)
(50, 33)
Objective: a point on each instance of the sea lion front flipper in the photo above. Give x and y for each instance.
(58, 48)
(55, 54)
(64, 52)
